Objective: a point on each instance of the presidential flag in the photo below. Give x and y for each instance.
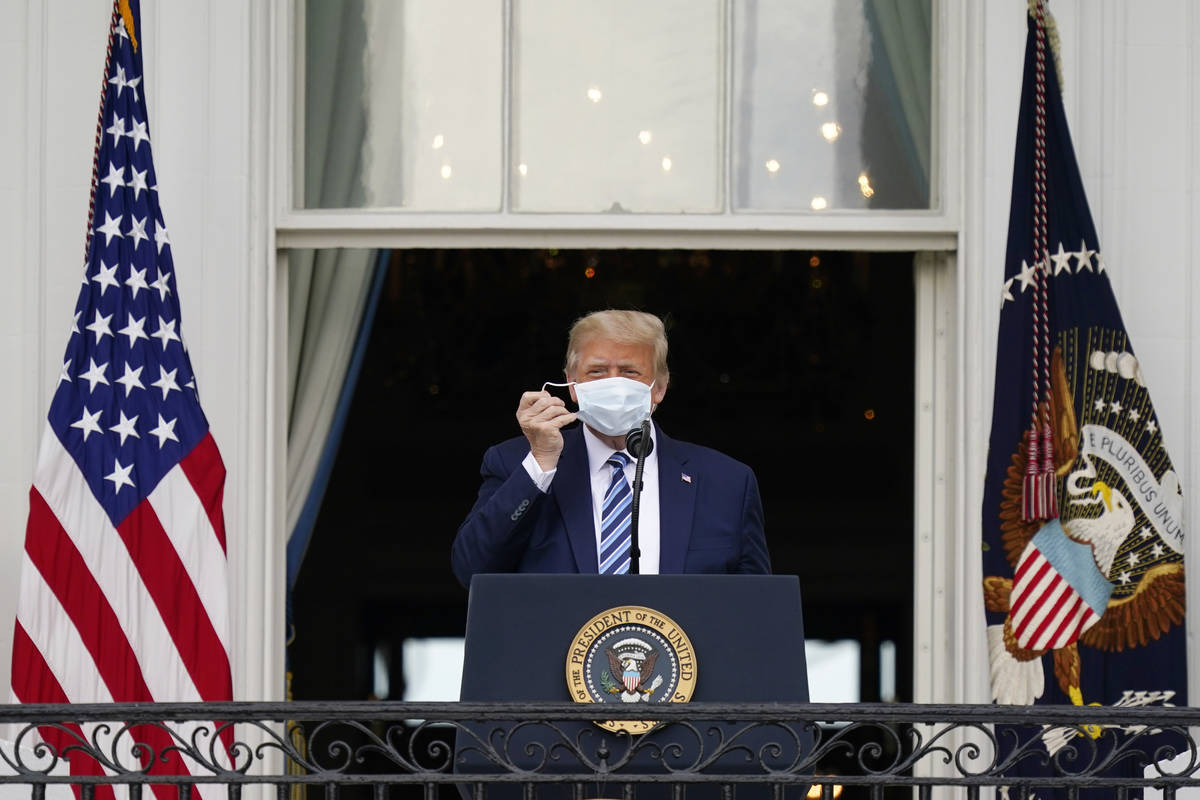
(123, 592)
(1082, 534)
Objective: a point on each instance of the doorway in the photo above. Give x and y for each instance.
(797, 363)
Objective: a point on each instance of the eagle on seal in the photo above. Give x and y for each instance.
(633, 671)
(1133, 620)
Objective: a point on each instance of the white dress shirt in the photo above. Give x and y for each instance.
(601, 476)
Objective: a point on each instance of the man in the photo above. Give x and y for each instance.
(557, 498)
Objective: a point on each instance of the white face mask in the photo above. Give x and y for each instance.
(612, 406)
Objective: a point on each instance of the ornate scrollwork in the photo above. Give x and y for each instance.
(386, 743)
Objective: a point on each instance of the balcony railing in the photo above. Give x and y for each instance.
(386, 751)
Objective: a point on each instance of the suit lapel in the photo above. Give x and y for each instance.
(677, 503)
(572, 490)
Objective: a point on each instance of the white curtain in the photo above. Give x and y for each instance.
(903, 28)
(327, 289)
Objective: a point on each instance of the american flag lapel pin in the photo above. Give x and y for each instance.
(683, 476)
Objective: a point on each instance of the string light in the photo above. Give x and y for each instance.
(819, 98)
(523, 169)
(438, 141)
(666, 163)
(446, 172)
(831, 131)
(864, 185)
(772, 166)
(594, 94)
(645, 137)
(819, 203)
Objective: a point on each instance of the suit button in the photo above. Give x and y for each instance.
(516, 515)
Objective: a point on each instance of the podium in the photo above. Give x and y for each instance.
(746, 634)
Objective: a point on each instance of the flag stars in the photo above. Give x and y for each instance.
(132, 379)
(1134, 414)
(110, 228)
(1152, 426)
(117, 129)
(125, 428)
(166, 332)
(165, 431)
(161, 285)
(166, 381)
(1145, 532)
(65, 375)
(1062, 260)
(1157, 550)
(100, 326)
(1125, 577)
(119, 81)
(1007, 296)
(1100, 405)
(115, 179)
(95, 374)
(138, 134)
(1027, 276)
(137, 230)
(134, 329)
(88, 423)
(1116, 406)
(160, 236)
(1083, 258)
(137, 182)
(1133, 559)
(120, 476)
(106, 277)
(75, 324)
(136, 281)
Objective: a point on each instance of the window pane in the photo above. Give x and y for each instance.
(831, 104)
(616, 106)
(403, 104)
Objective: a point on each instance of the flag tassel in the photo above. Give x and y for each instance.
(1039, 496)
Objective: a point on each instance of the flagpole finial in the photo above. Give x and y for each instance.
(1051, 35)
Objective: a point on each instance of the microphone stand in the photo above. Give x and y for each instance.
(639, 444)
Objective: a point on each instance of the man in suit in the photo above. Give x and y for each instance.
(556, 499)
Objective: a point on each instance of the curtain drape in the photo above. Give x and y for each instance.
(902, 33)
(328, 290)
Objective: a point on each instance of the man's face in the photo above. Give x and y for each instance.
(603, 358)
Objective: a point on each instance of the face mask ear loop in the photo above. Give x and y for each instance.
(560, 385)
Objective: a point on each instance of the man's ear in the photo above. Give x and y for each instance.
(658, 391)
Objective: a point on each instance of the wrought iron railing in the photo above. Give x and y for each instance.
(387, 751)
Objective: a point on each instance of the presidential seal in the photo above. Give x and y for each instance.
(631, 654)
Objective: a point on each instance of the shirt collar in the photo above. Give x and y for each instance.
(598, 452)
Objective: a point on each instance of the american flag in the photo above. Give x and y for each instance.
(123, 585)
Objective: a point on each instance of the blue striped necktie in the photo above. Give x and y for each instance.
(615, 517)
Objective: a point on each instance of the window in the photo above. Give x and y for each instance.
(568, 106)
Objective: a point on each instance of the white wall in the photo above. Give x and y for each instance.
(199, 60)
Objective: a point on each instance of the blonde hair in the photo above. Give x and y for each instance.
(623, 327)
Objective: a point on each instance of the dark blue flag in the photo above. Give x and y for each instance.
(1082, 535)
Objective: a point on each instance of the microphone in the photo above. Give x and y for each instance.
(639, 444)
(637, 438)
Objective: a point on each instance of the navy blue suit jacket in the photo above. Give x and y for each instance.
(711, 518)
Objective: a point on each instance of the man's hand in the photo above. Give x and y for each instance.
(542, 416)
